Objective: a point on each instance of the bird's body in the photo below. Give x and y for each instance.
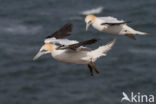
(111, 25)
(71, 57)
(72, 51)
(80, 56)
(116, 29)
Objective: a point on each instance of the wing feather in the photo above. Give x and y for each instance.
(115, 23)
(79, 45)
(65, 42)
(110, 19)
(62, 32)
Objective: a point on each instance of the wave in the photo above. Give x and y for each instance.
(22, 29)
(143, 51)
(75, 18)
(92, 11)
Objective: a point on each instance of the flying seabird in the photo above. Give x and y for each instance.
(111, 25)
(72, 51)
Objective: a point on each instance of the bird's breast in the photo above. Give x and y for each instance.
(98, 26)
(72, 57)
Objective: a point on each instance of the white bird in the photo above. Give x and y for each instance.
(111, 25)
(125, 97)
(71, 51)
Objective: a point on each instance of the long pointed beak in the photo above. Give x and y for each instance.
(38, 55)
(87, 26)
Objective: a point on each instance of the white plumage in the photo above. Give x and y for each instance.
(60, 41)
(110, 19)
(111, 25)
(81, 55)
(72, 51)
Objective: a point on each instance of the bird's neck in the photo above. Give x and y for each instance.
(97, 24)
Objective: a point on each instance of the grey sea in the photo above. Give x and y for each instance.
(129, 67)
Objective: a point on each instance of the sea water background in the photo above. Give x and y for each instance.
(130, 66)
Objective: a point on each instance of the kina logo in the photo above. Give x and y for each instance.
(138, 97)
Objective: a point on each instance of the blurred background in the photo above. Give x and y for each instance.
(128, 67)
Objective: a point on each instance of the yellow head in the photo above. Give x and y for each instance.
(46, 48)
(90, 19)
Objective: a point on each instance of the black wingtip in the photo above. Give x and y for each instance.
(62, 32)
(94, 39)
(91, 41)
(68, 27)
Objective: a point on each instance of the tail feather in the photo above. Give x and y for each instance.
(108, 46)
(103, 50)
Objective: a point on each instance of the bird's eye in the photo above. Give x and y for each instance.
(89, 22)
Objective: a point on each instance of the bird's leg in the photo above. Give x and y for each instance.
(91, 70)
(93, 66)
(131, 36)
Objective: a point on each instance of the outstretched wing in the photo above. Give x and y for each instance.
(79, 45)
(62, 32)
(56, 38)
(112, 21)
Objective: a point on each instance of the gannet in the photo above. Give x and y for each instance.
(72, 51)
(111, 25)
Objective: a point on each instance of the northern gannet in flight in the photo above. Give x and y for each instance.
(111, 25)
(72, 51)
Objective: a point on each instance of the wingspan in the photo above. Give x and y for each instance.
(79, 45)
(62, 32)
